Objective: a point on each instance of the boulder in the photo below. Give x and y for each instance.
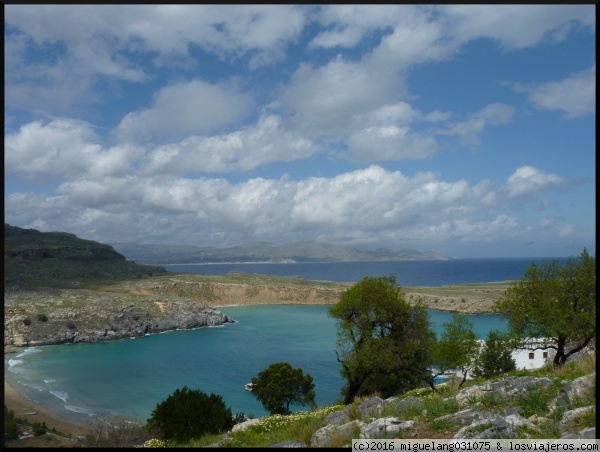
(574, 390)
(371, 407)
(329, 435)
(387, 427)
(568, 416)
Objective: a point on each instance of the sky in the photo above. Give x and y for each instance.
(464, 130)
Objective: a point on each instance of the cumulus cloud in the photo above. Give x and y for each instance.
(575, 95)
(185, 109)
(65, 148)
(527, 181)
(243, 150)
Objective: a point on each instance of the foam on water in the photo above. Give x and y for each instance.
(62, 395)
(77, 409)
(29, 350)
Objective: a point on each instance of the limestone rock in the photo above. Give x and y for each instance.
(328, 435)
(387, 427)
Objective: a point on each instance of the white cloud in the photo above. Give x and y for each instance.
(185, 109)
(324, 100)
(469, 131)
(527, 182)
(369, 206)
(352, 22)
(66, 148)
(516, 26)
(244, 150)
(575, 95)
(391, 143)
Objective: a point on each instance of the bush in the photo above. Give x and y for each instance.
(71, 325)
(188, 414)
(39, 429)
(27, 321)
(42, 317)
(11, 430)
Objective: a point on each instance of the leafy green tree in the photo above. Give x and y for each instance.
(554, 306)
(457, 348)
(11, 431)
(495, 357)
(385, 342)
(279, 386)
(189, 414)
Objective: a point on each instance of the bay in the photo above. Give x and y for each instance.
(129, 377)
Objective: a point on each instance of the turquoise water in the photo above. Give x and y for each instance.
(131, 376)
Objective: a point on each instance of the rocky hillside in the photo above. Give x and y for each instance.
(59, 259)
(539, 404)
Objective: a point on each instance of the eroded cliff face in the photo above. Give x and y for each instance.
(227, 294)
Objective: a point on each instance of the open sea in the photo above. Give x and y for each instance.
(131, 376)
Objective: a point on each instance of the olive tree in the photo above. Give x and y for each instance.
(385, 343)
(553, 306)
(280, 385)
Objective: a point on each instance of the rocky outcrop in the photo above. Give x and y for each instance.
(475, 422)
(69, 316)
(504, 388)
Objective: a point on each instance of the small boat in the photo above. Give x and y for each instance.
(248, 386)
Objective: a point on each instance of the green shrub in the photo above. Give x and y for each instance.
(71, 325)
(535, 402)
(42, 317)
(188, 414)
(27, 321)
(39, 429)
(10, 425)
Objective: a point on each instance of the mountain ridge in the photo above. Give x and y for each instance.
(264, 252)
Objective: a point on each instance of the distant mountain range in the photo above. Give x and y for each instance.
(264, 252)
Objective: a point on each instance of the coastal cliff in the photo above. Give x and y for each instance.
(61, 316)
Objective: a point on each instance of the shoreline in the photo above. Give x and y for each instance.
(21, 406)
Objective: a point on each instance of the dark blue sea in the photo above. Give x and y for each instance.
(129, 377)
(408, 273)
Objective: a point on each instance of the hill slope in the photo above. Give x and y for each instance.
(59, 259)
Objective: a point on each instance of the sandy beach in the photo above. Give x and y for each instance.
(21, 406)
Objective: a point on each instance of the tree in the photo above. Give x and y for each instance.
(554, 306)
(495, 357)
(189, 414)
(385, 343)
(458, 347)
(280, 385)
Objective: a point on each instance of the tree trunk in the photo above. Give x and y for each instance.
(560, 357)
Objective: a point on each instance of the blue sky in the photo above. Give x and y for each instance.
(465, 130)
